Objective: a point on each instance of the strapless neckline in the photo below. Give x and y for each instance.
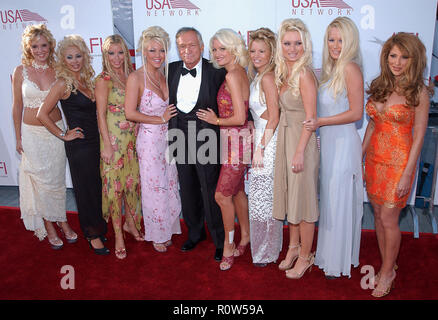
(387, 107)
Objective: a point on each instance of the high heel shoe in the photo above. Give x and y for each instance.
(101, 251)
(121, 253)
(284, 265)
(292, 274)
(55, 243)
(390, 285)
(240, 250)
(227, 262)
(73, 235)
(139, 237)
(377, 277)
(160, 247)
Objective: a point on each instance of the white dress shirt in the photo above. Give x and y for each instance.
(188, 89)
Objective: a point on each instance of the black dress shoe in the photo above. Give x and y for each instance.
(101, 251)
(189, 244)
(218, 254)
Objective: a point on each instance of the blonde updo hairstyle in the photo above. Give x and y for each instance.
(333, 71)
(32, 33)
(268, 37)
(158, 34)
(62, 70)
(304, 64)
(106, 65)
(234, 43)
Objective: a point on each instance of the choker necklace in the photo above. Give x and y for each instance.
(38, 66)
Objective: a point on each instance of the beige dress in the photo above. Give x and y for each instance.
(295, 194)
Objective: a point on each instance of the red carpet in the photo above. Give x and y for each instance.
(32, 270)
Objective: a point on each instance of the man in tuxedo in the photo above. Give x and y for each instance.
(193, 85)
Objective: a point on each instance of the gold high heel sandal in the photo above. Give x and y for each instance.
(292, 274)
(390, 285)
(286, 266)
(377, 277)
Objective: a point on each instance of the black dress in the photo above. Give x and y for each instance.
(84, 160)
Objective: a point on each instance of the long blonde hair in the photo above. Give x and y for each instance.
(282, 76)
(411, 82)
(333, 71)
(106, 65)
(160, 35)
(234, 43)
(31, 33)
(269, 39)
(63, 72)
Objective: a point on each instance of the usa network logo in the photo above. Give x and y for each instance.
(321, 7)
(171, 8)
(19, 18)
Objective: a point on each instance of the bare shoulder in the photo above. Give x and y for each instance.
(307, 77)
(135, 76)
(18, 72)
(352, 69)
(268, 78)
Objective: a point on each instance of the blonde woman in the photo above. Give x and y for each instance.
(297, 156)
(340, 106)
(75, 90)
(147, 89)
(228, 51)
(119, 163)
(266, 233)
(42, 167)
(398, 107)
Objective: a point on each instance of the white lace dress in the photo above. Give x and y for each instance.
(42, 168)
(266, 232)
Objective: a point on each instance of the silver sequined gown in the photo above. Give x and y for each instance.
(266, 232)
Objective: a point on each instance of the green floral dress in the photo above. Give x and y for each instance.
(120, 178)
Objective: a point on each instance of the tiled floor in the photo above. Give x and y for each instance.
(9, 196)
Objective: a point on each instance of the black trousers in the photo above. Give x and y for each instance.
(84, 161)
(197, 188)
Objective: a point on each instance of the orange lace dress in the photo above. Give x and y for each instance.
(388, 152)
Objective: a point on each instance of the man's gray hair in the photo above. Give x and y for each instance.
(187, 29)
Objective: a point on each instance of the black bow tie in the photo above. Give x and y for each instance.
(184, 71)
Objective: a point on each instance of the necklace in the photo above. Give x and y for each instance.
(154, 82)
(39, 67)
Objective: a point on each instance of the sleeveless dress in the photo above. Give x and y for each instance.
(266, 233)
(235, 147)
(84, 161)
(388, 152)
(42, 168)
(340, 221)
(295, 194)
(122, 176)
(161, 201)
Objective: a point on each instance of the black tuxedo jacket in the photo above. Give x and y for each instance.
(212, 79)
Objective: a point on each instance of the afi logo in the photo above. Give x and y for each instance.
(14, 16)
(340, 4)
(169, 4)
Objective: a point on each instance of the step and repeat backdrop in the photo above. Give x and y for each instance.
(90, 19)
(376, 20)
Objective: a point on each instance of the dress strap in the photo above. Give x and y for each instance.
(24, 72)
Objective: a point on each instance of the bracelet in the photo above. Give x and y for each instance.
(217, 121)
(62, 134)
(262, 146)
(162, 118)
